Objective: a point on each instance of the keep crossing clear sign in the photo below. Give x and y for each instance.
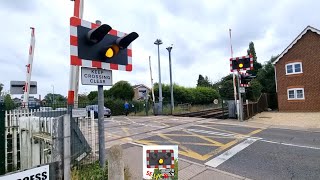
(93, 76)
(41, 172)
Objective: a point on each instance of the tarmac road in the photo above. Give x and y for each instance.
(252, 152)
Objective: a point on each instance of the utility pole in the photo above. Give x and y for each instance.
(152, 90)
(159, 42)
(171, 85)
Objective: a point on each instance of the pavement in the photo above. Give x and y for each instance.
(187, 169)
(293, 120)
(223, 149)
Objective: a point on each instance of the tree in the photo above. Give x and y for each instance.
(122, 90)
(83, 99)
(58, 98)
(203, 82)
(1, 88)
(256, 65)
(254, 91)
(92, 95)
(8, 102)
(225, 86)
(266, 76)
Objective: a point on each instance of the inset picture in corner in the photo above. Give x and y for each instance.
(160, 162)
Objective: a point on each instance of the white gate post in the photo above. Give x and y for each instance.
(14, 139)
(6, 138)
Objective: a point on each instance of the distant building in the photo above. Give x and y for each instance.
(297, 73)
(140, 91)
(17, 101)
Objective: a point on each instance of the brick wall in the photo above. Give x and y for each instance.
(307, 51)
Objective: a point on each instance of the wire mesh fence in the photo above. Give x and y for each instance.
(28, 139)
(29, 136)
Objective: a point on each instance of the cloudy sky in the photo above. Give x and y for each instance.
(198, 30)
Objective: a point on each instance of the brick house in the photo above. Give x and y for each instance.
(140, 91)
(297, 73)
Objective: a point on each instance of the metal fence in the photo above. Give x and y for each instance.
(30, 137)
(25, 136)
(254, 108)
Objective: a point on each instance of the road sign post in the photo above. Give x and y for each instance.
(236, 65)
(102, 154)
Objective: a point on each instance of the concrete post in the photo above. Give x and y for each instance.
(67, 147)
(115, 163)
(57, 146)
(171, 85)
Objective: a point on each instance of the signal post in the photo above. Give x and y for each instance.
(98, 46)
(239, 64)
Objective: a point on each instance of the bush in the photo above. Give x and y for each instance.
(115, 105)
(204, 95)
(90, 171)
(198, 95)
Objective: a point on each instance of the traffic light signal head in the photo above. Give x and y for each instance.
(245, 79)
(112, 50)
(104, 46)
(241, 63)
(126, 40)
(97, 34)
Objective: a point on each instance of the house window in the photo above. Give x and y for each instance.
(295, 94)
(294, 68)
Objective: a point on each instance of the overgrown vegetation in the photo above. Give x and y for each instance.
(89, 171)
(94, 171)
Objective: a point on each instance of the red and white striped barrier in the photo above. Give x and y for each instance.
(29, 69)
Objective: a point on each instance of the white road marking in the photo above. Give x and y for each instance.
(142, 124)
(215, 162)
(288, 144)
(245, 136)
(212, 132)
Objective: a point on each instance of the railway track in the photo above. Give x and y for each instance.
(208, 113)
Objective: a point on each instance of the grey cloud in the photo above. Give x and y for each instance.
(20, 6)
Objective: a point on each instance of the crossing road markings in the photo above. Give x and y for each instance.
(216, 143)
(215, 162)
(125, 139)
(192, 154)
(210, 127)
(126, 130)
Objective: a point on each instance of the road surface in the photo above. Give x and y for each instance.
(251, 152)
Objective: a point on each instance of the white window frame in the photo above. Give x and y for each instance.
(293, 69)
(295, 93)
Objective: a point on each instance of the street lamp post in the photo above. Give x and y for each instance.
(159, 42)
(171, 86)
